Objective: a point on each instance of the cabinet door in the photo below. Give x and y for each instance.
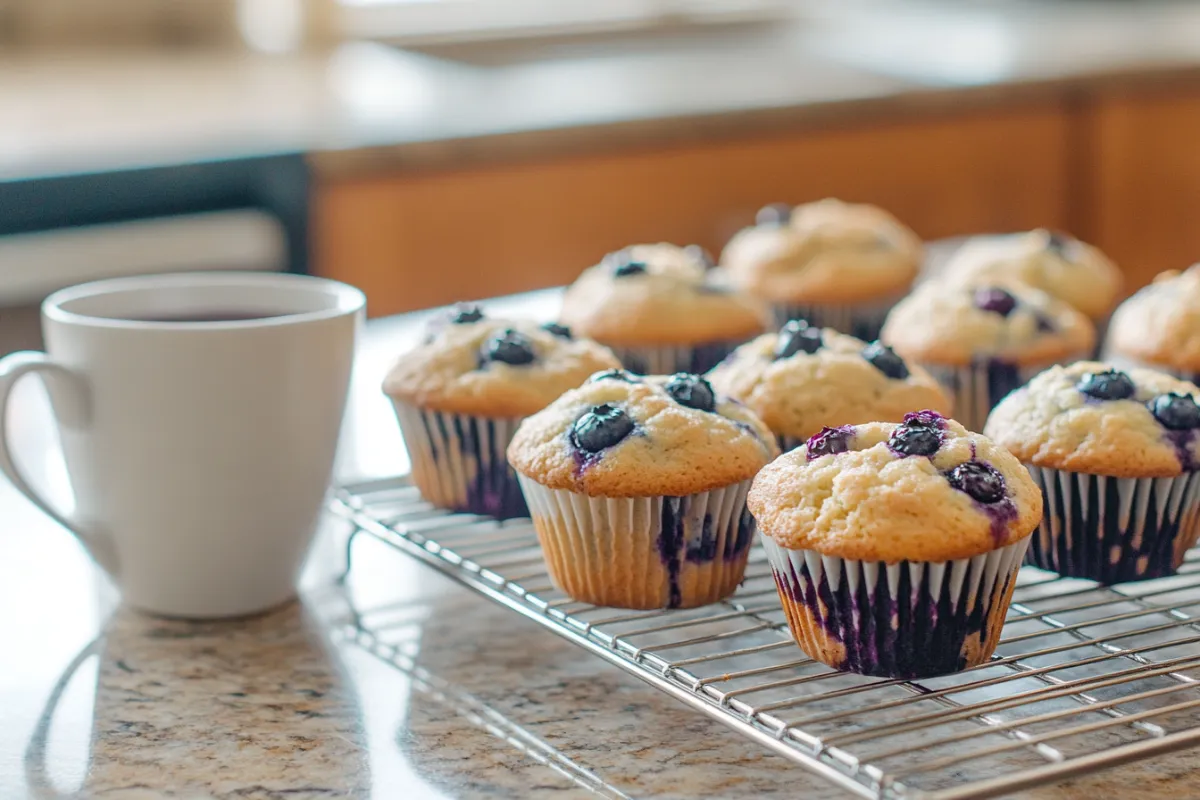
(1147, 179)
(422, 238)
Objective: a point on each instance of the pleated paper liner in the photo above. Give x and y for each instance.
(861, 320)
(1114, 530)
(979, 387)
(910, 619)
(459, 463)
(669, 359)
(644, 552)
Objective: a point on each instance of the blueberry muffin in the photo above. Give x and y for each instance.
(1116, 454)
(896, 548)
(982, 341)
(656, 307)
(1159, 326)
(1061, 266)
(637, 488)
(833, 264)
(804, 378)
(460, 394)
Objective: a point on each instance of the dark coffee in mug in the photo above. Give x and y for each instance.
(216, 315)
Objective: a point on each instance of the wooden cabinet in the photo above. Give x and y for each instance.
(413, 239)
(1145, 152)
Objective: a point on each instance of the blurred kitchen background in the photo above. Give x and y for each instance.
(436, 150)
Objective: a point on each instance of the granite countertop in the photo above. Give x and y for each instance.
(398, 684)
(367, 106)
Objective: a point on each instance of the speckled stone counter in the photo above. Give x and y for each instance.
(397, 684)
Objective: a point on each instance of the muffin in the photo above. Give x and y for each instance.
(983, 341)
(895, 548)
(1116, 454)
(1159, 326)
(637, 488)
(804, 378)
(1061, 266)
(832, 264)
(460, 394)
(656, 307)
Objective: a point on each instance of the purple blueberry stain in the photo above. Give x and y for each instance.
(829, 442)
(1180, 415)
(984, 484)
(670, 543)
(995, 300)
(909, 634)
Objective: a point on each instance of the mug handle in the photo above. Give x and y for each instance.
(69, 398)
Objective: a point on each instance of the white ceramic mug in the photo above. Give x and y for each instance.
(199, 452)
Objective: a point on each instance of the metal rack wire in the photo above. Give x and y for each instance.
(1085, 676)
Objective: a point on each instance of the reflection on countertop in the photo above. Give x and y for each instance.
(70, 112)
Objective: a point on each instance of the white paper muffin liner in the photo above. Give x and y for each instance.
(1114, 530)
(861, 320)
(669, 359)
(978, 388)
(911, 619)
(459, 462)
(643, 552)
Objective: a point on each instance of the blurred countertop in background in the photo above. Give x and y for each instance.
(364, 106)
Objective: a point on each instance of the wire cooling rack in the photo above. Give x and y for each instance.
(1085, 677)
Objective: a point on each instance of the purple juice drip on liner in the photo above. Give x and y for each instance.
(670, 542)
(928, 636)
(1182, 441)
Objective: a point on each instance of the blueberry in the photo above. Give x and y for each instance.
(1044, 323)
(774, 214)
(885, 360)
(1058, 244)
(701, 255)
(981, 482)
(509, 347)
(615, 375)
(561, 331)
(464, 313)
(927, 418)
(795, 336)
(692, 391)
(1178, 412)
(830, 441)
(996, 300)
(603, 426)
(1108, 385)
(624, 265)
(919, 435)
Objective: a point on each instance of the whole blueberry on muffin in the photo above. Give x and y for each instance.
(802, 379)
(637, 488)
(982, 341)
(1159, 326)
(896, 547)
(459, 396)
(659, 309)
(1060, 265)
(1116, 453)
(833, 264)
